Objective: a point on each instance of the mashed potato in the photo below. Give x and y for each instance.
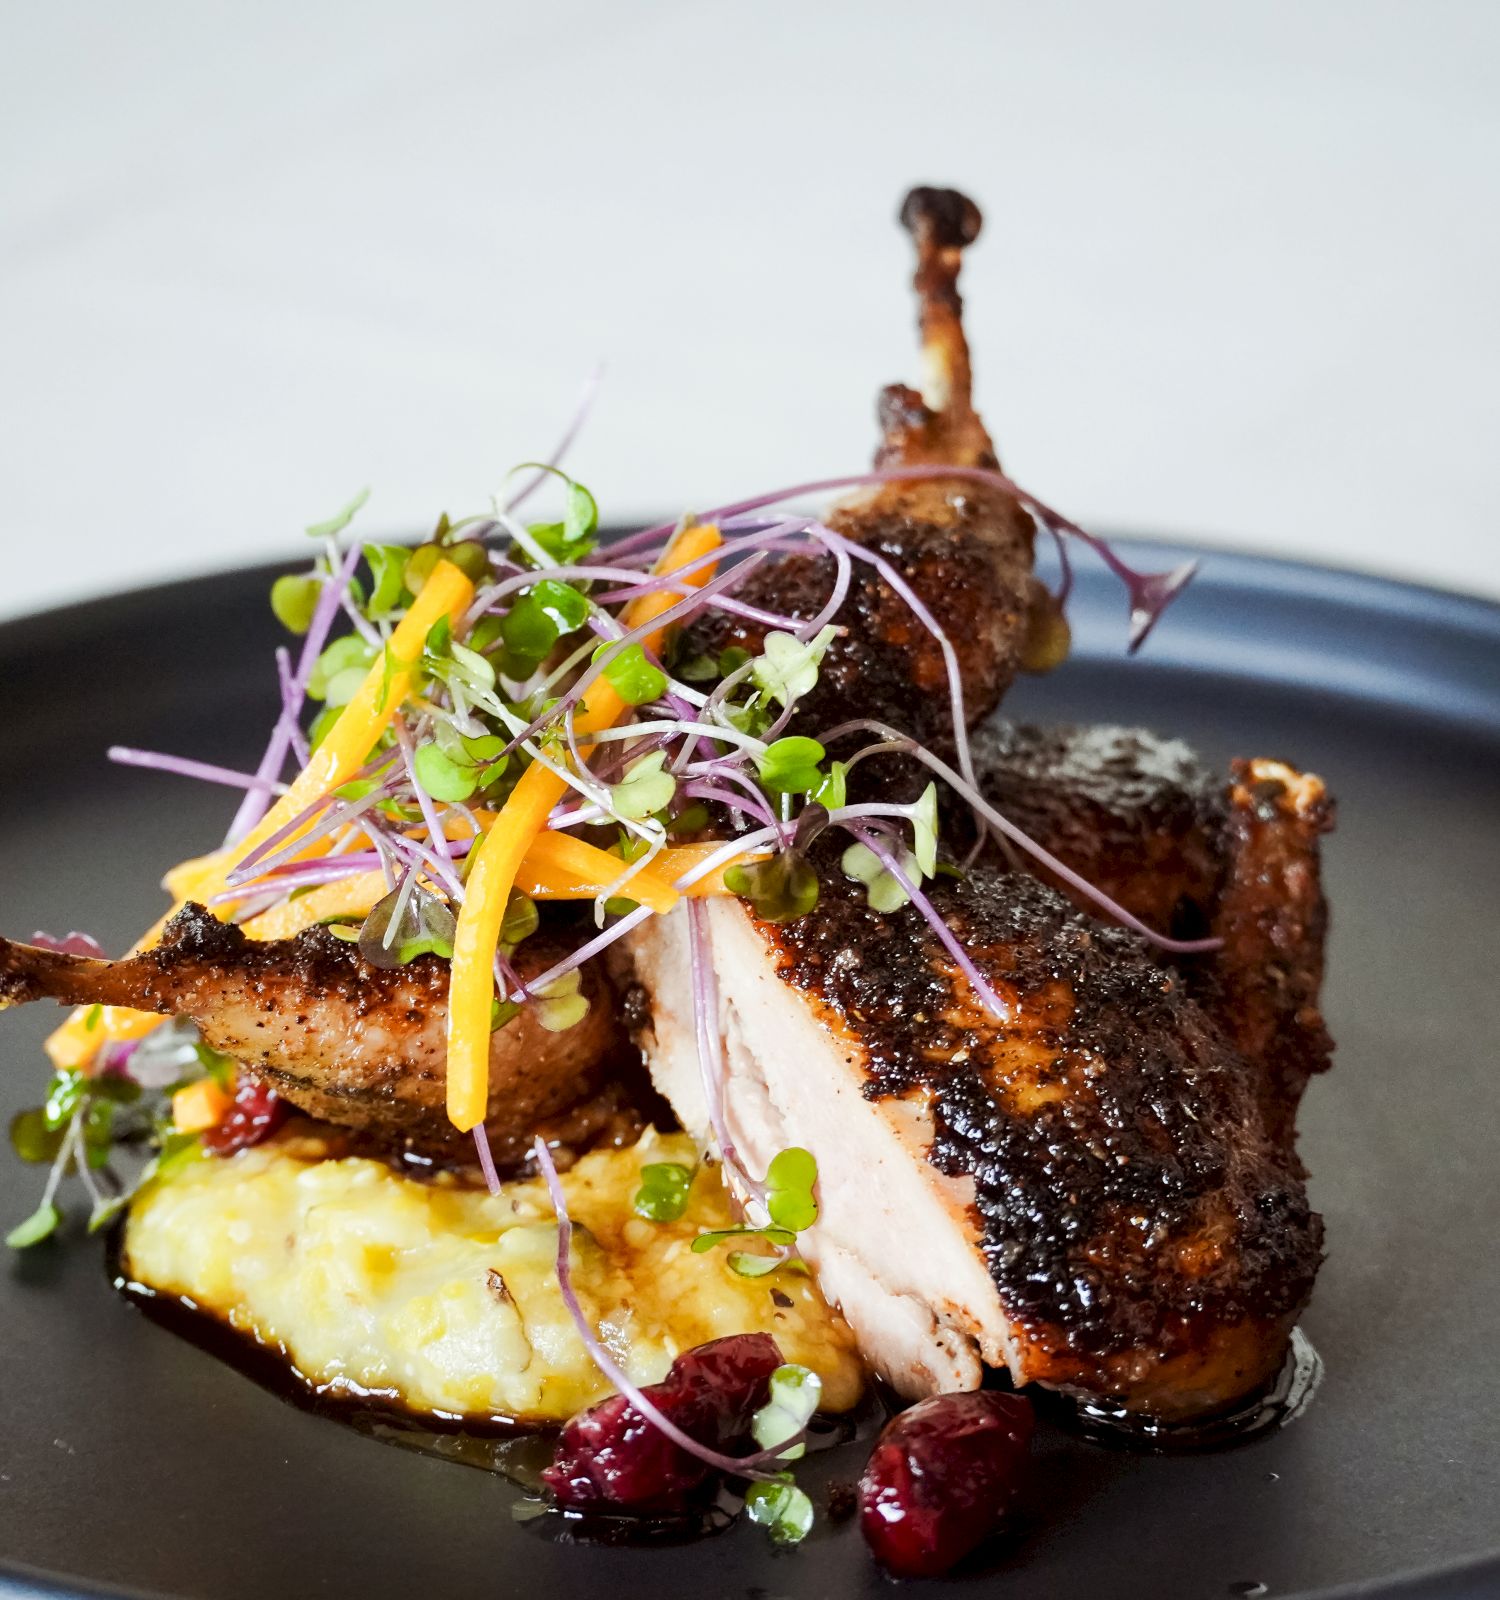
(444, 1297)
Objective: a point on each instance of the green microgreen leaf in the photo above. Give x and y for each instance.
(924, 825)
(663, 1194)
(520, 921)
(634, 678)
(294, 598)
(790, 766)
(442, 777)
(698, 669)
(471, 558)
(713, 1237)
(795, 1395)
(340, 670)
(561, 1005)
(540, 617)
(787, 669)
(419, 565)
(832, 792)
(501, 1012)
(425, 927)
(340, 519)
(781, 888)
(33, 1137)
(647, 787)
(789, 1189)
(569, 539)
(882, 891)
(439, 641)
(388, 576)
(64, 1095)
(750, 1264)
(41, 1223)
(781, 1508)
(691, 819)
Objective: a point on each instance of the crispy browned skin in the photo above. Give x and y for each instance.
(1142, 1226)
(353, 1044)
(965, 548)
(1144, 820)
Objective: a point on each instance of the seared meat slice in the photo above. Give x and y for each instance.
(1086, 1194)
(347, 1042)
(965, 548)
(1144, 820)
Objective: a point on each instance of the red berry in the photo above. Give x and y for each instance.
(611, 1458)
(941, 1478)
(256, 1114)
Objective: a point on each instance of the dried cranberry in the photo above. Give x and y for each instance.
(941, 1478)
(611, 1458)
(256, 1114)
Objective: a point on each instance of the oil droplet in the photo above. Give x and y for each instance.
(1273, 1477)
(1248, 1589)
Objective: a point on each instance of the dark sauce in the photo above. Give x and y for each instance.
(515, 1450)
(519, 1451)
(1284, 1400)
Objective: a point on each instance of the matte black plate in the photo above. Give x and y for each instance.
(133, 1463)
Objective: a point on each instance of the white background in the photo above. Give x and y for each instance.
(1239, 279)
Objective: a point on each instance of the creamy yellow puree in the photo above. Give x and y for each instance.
(445, 1297)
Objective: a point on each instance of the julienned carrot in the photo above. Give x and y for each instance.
(498, 858)
(446, 593)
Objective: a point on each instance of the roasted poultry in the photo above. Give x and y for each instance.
(346, 1042)
(965, 548)
(1097, 1192)
(1142, 819)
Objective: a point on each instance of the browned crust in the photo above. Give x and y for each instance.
(1136, 1217)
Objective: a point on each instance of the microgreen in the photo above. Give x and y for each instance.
(388, 593)
(571, 538)
(561, 1005)
(781, 888)
(405, 925)
(39, 1225)
(664, 1190)
(634, 678)
(520, 921)
(832, 792)
(340, 520)
(882, 890)
(294, 599)
(790, 1180)
(340, 670)
(646, 788)
(794, 1397)
(781, 1508)
(924, 827)
(790, 766)
(787, 668)
(543, 614)
(710, 1238)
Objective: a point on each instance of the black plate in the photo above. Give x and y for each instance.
(133, 1463)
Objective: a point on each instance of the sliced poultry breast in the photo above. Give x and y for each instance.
(1086, 1194)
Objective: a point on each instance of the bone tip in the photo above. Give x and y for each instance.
(941, 217)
